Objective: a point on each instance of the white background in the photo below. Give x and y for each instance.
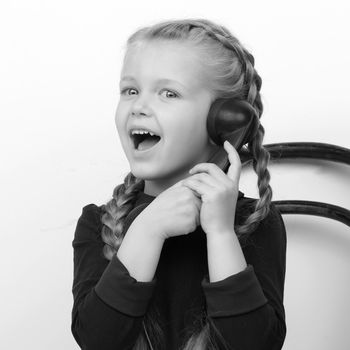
(60, 65)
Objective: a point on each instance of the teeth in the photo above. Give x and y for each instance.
(142, 132)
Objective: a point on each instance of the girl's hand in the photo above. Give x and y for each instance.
(218, 192)
(173, 212)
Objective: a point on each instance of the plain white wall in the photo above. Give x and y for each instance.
(60, 65)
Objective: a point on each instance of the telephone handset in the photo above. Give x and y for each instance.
(232, 120)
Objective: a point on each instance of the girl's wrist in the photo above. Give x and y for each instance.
(221, 235)
(153, 230)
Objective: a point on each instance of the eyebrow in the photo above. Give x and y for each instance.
(164, 80)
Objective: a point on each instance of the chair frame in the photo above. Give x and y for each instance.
(314, 150)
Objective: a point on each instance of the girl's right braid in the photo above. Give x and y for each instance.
(116, 211)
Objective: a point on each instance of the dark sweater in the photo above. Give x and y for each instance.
(246, 308)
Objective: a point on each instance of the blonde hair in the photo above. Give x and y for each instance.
(232, 75)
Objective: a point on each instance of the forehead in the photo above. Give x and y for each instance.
(150, 61)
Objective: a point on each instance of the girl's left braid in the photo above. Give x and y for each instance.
(261, 156)
(251, 93)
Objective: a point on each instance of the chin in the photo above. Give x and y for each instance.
(143, 173)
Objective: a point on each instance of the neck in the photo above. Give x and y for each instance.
(155, 187)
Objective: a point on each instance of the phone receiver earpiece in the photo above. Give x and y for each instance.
(232, 120)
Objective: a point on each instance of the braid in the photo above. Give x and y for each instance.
(116, 211)
(113, 219)
(251, 86)
(261, 159)
(261, 156)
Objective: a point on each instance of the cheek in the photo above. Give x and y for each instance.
(189, 138)
(181, 134)
(120, 121)
(118, 125)
(189, 133)
(198, 130)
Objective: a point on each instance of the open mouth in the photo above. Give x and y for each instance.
(144, 141)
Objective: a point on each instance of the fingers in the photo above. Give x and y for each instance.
(234, 171)
(176, 184)
(211, 169)
(202, 189)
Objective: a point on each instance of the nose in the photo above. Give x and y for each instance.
(140, 107)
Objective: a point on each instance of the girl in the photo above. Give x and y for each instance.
(179, 258)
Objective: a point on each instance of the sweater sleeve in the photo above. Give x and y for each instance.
(246, 308)
(109, 304)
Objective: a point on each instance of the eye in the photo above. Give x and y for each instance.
(172, 92)
(123, 91)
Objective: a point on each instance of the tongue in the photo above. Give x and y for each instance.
(147, 143)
